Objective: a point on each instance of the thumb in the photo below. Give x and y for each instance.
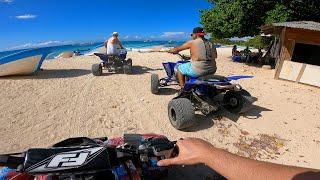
(168, 162)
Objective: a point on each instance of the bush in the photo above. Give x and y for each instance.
(256, 42)
(259, 42)
(228, 42)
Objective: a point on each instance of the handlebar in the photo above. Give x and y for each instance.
(184, 57)
(89, 155)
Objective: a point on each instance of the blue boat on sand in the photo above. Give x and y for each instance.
(24, 62)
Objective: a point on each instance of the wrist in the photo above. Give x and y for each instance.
(209, 158)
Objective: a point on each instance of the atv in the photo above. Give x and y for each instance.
(113, 63)
(206, 94)
(132, 156)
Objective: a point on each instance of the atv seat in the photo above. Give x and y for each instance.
(212, 77)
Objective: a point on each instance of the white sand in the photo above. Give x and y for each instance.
(66, 100)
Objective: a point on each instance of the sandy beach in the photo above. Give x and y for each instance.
(66, 100)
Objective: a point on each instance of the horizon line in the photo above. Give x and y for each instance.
(28, 46)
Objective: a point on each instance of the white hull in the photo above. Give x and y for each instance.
(22, 66)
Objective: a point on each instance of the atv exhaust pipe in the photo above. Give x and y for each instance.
(235, 87)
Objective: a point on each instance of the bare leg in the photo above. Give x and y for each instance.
(181, 79)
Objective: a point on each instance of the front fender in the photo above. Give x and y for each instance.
(235, 78)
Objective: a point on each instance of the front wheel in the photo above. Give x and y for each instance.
(154, 83)
(181, 113)
(234, 101)
(96, 69)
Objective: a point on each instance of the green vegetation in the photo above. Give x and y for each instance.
(228, 42)
(240, 18)
(279, 14)
(256, 42)
(259, 42)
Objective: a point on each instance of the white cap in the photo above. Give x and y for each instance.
(115, 33)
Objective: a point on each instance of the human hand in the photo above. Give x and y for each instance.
(191, 151)
(173, 51)
(184, 57)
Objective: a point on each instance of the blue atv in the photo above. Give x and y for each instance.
(112, 63)
(206, 94)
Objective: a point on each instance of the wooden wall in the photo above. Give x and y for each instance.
(292, 71)
(303, 36)
(289, 37)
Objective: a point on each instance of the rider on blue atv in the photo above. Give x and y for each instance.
(203, 55)
(113, 44)
(115, 58)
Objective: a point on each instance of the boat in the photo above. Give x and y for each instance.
(24, 62)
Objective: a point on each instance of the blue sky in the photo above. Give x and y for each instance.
(29, 22)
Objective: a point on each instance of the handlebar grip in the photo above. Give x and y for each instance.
(11, 161)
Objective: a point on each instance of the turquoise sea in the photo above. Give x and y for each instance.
(85, 48)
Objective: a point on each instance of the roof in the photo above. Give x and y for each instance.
(308, 25)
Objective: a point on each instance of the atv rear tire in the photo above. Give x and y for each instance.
(181, 113)
(96, 69)
(235, 100)
(154, 84)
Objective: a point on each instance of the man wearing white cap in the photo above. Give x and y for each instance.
(113, 44)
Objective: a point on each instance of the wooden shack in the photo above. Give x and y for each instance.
(299, 58)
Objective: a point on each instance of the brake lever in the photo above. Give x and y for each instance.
(152, 148)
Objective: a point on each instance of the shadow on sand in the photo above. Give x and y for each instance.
(205, 122)
(257, 65)
(202, 122)
(193, 172)
(167, 91)
(253, 113)
(136, 70)
(52, 74)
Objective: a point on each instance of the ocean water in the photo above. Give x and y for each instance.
(86, 48)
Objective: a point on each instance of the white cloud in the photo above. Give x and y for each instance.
(40, 44)
(240, 39)
(137, 37)
(172, 34)
(7, 1)
(48, 43)
(26, 16)
(28, 45)
(131, 37)
(162, 36)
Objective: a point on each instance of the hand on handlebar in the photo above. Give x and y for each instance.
(191, 151)
(184, 57)
(173, 51)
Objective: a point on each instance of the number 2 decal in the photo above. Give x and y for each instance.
(68, 160)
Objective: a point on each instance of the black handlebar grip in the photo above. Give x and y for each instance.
(11, 161)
